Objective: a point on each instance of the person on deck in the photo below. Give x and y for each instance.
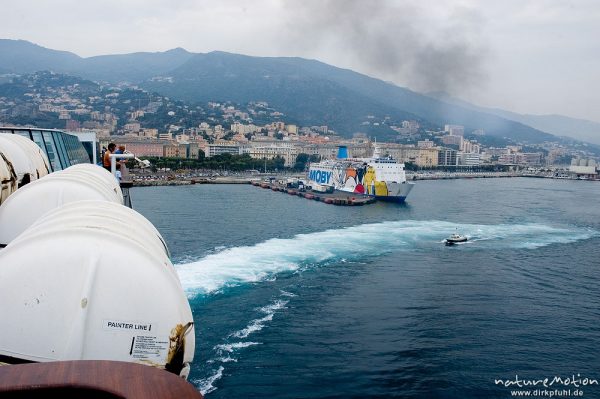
(118, 173)
(106, 157)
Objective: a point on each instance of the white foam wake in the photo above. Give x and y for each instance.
(236, 345)
(258, 324)
(224, 353)
(205, 385)
(239, 265)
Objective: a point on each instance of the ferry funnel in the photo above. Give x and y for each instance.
(342, 152)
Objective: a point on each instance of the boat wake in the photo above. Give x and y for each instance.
(258, 324)
(226, 352)
(248, 264)
(206, 385)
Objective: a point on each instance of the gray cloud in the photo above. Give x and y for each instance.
(396, 41)
(539, 56)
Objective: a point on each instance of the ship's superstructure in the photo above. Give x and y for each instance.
(380, 177)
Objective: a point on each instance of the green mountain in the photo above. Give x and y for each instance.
(84, 98)
(313, 92)
(304, 97)
(308, 92)
(20, 56)
(134, 67)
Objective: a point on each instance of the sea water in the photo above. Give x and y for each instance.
(298, 299)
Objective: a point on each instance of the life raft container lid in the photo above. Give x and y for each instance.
(25, 156)
(29, 203)
(117, 219)
(8, 179)
(85, 292)
(106, 181)
(88, 168)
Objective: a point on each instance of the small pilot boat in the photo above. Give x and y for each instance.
(455, 239)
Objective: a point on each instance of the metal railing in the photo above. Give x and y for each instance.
(125, 185)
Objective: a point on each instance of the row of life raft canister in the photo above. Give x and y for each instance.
(82, 276)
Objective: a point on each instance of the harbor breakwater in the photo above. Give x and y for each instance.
(167, 180)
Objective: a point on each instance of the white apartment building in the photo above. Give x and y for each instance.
(469, 159)
(244, 129)
(324, 151)
(182, 138)
(455, 130)
(453, 140)
(425, 143)
(292, 129)
(287, 151)
(521, 158)
(470, 147)
(210, 150)
(132, 127)
(149, 133)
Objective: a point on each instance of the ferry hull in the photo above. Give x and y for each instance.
(398, 200)
(397, 192)
(392, 192)
(380, 178)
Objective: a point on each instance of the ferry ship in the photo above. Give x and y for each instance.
(380, 177)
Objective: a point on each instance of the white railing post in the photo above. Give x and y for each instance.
(113, 161)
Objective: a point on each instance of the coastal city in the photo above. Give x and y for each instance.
(165, 131)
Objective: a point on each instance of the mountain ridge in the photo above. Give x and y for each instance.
(208, 74)
(559, 125)
(308, 91)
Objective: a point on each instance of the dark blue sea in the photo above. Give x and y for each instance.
(298, 299)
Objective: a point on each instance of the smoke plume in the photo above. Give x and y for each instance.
(395, 40)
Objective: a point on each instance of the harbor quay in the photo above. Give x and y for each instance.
(178, 179)
(333, 198)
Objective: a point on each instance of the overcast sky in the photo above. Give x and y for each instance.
(537, 56)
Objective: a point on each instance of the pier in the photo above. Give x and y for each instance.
(339, 198)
